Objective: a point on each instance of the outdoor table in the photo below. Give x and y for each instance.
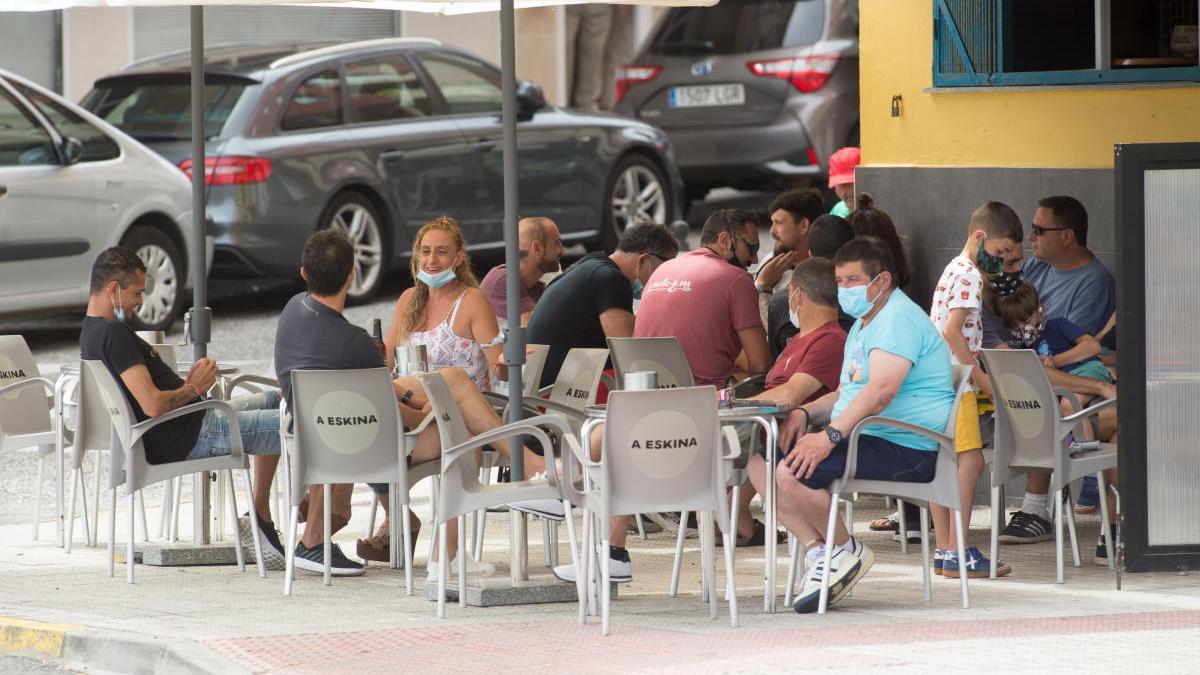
(765, 415)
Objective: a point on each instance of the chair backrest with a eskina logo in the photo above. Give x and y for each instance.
(579, 377)
(120, 416)
(661, 355)
(1027, 413)
(662, 452)
(93, 422)
(347, 428)
(25, 410)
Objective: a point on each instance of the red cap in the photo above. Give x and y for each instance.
(841, 166)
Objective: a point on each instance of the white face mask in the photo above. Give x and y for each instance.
(792, 315)
(118, 308)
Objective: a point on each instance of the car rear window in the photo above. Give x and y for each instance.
(159, 110)
(738, 27)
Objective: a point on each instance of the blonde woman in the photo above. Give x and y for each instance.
(444, 310)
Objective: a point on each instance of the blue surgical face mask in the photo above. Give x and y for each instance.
(854, 300)
(118, 308)
(637, 289)
(436, 280)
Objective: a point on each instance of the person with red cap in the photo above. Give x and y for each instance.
(841, 179)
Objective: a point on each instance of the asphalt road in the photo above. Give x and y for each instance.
(244, 336)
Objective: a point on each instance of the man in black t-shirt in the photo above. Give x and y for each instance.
(593, 299)
(152, 388)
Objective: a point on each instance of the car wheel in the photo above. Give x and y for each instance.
(163, 297)
(356, 216)
(637, 193)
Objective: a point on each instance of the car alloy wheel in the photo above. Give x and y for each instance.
(638, 196)
(357, 219)
(163, 296)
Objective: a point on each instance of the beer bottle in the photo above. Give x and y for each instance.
(377, 333)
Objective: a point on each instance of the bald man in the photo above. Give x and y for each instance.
(541, 246)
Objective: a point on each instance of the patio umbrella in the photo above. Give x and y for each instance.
(200, 315)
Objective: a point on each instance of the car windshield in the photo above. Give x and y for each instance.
(161, 111)
(739, 27)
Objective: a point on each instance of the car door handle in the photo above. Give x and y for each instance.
(3, 191)
(485, 145)
(391, 155)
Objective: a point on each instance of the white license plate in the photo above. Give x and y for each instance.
(707, 95)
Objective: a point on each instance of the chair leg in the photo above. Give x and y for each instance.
(462, 561)
(673, 589)
(830, 530)
(1058, 537)
(96, 505)
(175, 504)
(70, 524)
(641, 526)
(258, 554)
(408, 552)
(393, 540)
(605, 590)
(572, 544)
(164, 510)
(1108, 542)
(962, 556)
(997, 516)
(129, 541)
(925, 574)
(443, 571)
(552, 544)
(141, 500)
(237, 543)
(1070, 513)
(327, 521)
(37, 494)
(731, 526)
(289, 569)
(583, 572)
(434, 488)
(546, 542)
(371, 517)
(850, 515)
(112, 527)
(903, 527)
(793, 545)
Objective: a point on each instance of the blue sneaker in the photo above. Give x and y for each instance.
(1089, 497)
(938, 557)
(978, 567)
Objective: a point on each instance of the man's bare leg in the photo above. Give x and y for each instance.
(314, 525)
(263, 467)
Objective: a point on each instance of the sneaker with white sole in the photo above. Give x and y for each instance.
(620, 569)
(313, 560)
(475, 568)
(550, 509)
(268, 538)
(846, 570)
(1026, 528)
(978, 566)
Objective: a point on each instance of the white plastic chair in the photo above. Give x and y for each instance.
(28, 418)
(128, 464)
(1032, 434)
(661, 452)
(346, 428)
(461, 491)
(943, 489)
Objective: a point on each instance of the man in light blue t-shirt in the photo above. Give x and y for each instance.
(896, 364)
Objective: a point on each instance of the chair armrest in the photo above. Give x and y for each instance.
(608, 381)
(1069, 395)
(545, 391)
(235, 432)
(731, 439)
(1089, 411)
(534, 402)
(530, 427)
(876, 420)
(497, 400)
(262, 380)
(28, 383)
(429, 418)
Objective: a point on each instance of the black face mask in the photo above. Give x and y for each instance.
(1006, 283)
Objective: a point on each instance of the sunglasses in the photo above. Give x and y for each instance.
(752, 246)
(1039, 231)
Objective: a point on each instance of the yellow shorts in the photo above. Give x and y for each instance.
(966, 429)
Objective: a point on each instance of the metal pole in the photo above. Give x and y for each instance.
(514, 347)
(200, 316)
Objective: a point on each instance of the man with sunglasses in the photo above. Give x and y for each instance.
(707, 300)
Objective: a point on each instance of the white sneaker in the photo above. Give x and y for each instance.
(475, 568)
(619, 571)
(550, 509)
(846, 569)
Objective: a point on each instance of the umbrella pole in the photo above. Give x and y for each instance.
(514, 346)
(199, 316)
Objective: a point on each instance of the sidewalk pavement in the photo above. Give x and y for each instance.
(215, 619)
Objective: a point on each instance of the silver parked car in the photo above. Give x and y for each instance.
(377, 138)
(71, 186)
(751, 93)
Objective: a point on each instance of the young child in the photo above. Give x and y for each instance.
(1058, 342)
(994, 231)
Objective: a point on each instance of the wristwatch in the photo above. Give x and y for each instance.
(407, 396)
(833, 435)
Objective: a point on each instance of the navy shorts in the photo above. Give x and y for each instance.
(878, 459)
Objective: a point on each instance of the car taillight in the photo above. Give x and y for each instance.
(231, 170)
(806, 73)
(631, 74)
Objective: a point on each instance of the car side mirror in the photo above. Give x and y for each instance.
(72, 150)
(530, 98)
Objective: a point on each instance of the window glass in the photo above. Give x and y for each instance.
(97, 145)
(739, 27)
(470, 87)
(317, 102)
(385, 89)
(22, 140)
(160, 110)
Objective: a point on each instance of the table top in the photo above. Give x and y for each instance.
(740, 409)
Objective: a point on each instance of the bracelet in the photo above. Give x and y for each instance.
(406, 397)
(195, 389)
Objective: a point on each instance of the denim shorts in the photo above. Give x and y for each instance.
(258, 421)
(878, 459)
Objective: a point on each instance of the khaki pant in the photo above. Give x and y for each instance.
(588, 27)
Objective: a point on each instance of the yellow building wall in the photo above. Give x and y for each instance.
(1064, 127)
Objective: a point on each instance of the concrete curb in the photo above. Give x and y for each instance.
(98, 649)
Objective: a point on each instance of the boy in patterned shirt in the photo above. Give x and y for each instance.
(993, 232)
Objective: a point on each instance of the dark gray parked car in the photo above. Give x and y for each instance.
(377, 138)
(751, 92)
